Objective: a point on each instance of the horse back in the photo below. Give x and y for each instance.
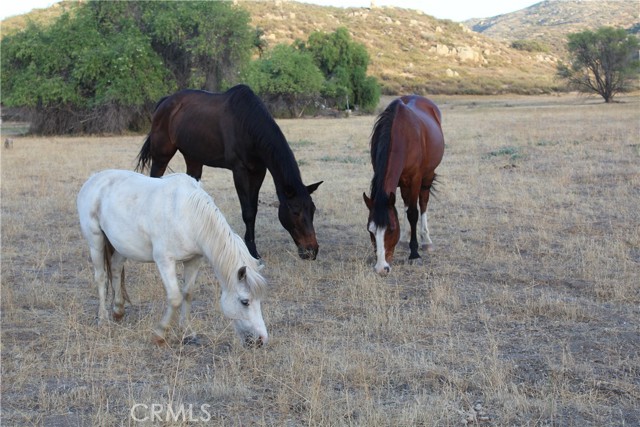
(136, 213)
(193, 121)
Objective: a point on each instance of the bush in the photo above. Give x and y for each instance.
(285, 74)
(344, 64)
(101, 69)
(530, 46)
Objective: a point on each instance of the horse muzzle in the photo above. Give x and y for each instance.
(309, 252)
(251, 341)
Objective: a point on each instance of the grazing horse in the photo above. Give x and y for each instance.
(406, 147)
(127, 215)
(234, 130)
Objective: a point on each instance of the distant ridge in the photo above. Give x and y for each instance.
(550, 21)
(414, 52)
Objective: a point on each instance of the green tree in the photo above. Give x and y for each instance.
(287, 74)
(604, 61)
(79, 77)
(101, 68)
(204, 44)
(530, 45)
(344, 64)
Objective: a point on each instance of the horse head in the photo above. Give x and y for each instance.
(296, 216)
(240, 302)
(384, 234)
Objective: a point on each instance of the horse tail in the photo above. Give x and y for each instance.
(433, 188)
(108, 253)
(144, 156)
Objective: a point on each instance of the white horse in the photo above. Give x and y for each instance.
(167, 220)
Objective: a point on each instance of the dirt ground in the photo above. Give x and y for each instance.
(526, 314)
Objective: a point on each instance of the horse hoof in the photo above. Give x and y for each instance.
(384, 272)
(430, 247)
(158, 340)
(415, 261)
(117, 316)
(191, 340)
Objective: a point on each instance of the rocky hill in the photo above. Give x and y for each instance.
(550, 21)
(414, 52)
(411, 51)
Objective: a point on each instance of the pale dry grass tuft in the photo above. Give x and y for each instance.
(527, 313)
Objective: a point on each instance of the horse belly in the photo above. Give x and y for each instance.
(433, 146)
(128, 242)
(203, 142)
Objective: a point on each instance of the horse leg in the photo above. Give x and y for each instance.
(161, 154)
(191, 269)
(425, 191)
(405, 230)
(412, 216)
(167, 268)
(117, 282)
(248, 187)
(194, 168)
(101, 279)
(158, 168)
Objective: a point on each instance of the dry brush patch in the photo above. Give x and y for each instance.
(527, 313)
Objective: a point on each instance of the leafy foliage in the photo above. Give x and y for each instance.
(344, 64)
(530, 46)
(604, 61)
(203, 43)
(327, 65)
(288, 74)
(102, 68)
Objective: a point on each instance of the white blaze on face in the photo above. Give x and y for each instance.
(382, 266)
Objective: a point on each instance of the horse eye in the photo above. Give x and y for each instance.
(244, 302)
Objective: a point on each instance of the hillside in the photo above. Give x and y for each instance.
(414, 52)
(550, 21)
(411, 51)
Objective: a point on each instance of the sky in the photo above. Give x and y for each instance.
(455, 10)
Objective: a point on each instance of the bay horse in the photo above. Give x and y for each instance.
(407, 145)
(234, 130)
(124, 214)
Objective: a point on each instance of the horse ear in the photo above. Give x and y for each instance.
(367, 201)
(392, 199)
(242, 273)
(313, 187)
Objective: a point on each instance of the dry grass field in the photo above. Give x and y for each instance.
(527, 314)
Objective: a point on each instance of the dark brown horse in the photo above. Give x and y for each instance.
(234, 130)
(406, 147)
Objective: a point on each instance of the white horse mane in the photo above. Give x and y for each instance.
(228, 250)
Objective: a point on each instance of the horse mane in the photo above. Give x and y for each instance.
(255, 121)
(228, 250)
(380, 145)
